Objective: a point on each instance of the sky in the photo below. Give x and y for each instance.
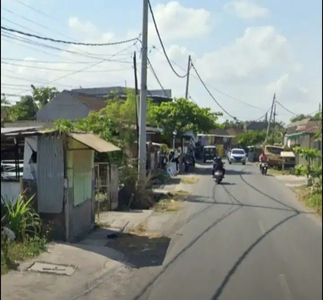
(245, 51)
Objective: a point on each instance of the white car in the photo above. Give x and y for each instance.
(237, 155)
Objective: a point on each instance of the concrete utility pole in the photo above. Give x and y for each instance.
(188, 76)
(271, 116)
(137, 98)
(143, 92)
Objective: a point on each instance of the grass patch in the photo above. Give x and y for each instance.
(312, 198)
(279, 172)
(189, 180)
(167, 205)
(21, 251)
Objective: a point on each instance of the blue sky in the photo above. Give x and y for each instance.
(246, 49)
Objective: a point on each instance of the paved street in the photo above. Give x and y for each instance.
(246, 239)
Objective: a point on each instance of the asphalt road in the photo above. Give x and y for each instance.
(245, 239)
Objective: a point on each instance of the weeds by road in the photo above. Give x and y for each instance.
(311, 197)
(22, 233)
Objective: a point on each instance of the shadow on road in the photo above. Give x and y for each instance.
(136, 250)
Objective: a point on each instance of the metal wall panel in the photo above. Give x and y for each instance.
(50, 181)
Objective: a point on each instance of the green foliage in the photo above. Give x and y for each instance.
(182, 116)
(43, 95)
(21, 218)
(28, 106)
(317, 116)
(300, 118)
(300, 170)
(310, 155)
(233, 124)
(25, 223)
(251, 138)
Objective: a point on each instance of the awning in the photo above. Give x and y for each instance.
(94, 142)
(296, 135)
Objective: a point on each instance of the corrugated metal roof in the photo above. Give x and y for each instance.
(18, 129)
(94, 142)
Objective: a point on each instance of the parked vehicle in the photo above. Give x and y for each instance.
(237, 155)
(209, 152)
(264, 168)
(276, 159)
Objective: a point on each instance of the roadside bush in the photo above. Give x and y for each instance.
(300, 170)
(22, 234)
(21, 218)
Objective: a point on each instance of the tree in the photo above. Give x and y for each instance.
(25, 109)
(43, 95)
(181, 116)
(310, 155)
(28, 106)
(251, 138)
(299, 118)
(115, 123)
(234, 124)
(4, 101)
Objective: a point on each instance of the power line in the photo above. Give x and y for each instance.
(156, 77)
(36, 10)
(33, 22)
(214, 88)
(67, 42)
(87, 67)
(62, 70)
(198, 75)
(162, 44)
(83, 54)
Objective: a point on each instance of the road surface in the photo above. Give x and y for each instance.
(246, 239)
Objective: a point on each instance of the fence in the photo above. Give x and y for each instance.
(106, 186)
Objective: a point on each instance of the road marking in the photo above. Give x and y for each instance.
(262, 228)
(285, 288)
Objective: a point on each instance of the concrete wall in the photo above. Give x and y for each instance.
(63, 106)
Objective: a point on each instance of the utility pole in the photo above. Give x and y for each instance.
(188, 76)
(143, 92)
(271, 116)
(137, 98)
(274, 119)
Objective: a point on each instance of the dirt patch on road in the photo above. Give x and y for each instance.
(189, 180)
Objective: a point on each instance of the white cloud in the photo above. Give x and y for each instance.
(250, 56)
(178, 22)
(252, 67)
(246, 9)
(85, 27)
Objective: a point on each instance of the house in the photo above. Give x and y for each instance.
(69, 105)
(58, 169)
(302, 133)
(157, 96)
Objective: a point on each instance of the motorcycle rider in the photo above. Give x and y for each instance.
(262, 158)
(218, 165)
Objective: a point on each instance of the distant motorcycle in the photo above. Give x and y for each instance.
(264, 168)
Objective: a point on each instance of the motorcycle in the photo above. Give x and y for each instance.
(218, 175)
(264, 168)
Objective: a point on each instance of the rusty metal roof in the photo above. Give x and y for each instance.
(94, 142)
